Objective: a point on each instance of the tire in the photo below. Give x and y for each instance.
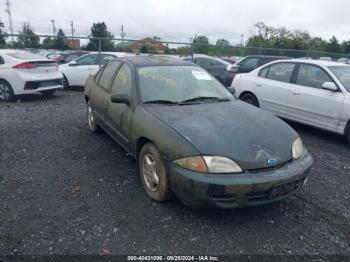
(250, 99)
(48, 93)
(348, 133)
(91, 117)
(65, 82)
(6, 92)
(154, 177)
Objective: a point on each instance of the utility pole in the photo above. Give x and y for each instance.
(53, 27)
(122, 34)
(72, 29)
(8, 10)
(242, 35)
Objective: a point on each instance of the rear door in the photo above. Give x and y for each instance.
(309, 103)
(273, 87)
(78, 72)
(119, 116)
(100, 92)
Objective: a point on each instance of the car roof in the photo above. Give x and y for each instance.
(268, 56)
(141, 61)
(319, 62)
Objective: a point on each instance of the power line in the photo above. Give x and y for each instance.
(8, 10)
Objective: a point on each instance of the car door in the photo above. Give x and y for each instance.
(100, 93)
(311, 104)
(272, 87)
(100, 61)
(79, 70)
(119, 115)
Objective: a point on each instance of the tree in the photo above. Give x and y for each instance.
(100, 30)
(2, 39)
(144, 49)
(47, 43)
(27, 37)
(222, 42)
(59, 40)
(201, 44)
(333, 45)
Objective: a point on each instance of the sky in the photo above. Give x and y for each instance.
(180, 20)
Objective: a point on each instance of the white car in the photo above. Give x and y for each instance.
(78, 70)
(312, 92)
(26, 73)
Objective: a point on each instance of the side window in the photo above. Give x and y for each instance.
(312, 76)
(101, 60)
(250, 63)
(98, 75)
(263, 72)
(122, 83)
(107, 74)
(2, 60)
(280, 72)
(87, 60)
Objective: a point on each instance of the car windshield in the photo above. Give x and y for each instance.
(343, 75)
(178, 84)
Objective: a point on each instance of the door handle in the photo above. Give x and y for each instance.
(258, 85)
(296, 93)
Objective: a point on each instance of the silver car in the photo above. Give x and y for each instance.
(312, 92)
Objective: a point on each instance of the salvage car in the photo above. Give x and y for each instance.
(23, 73)
(312, 92)
(191, 137)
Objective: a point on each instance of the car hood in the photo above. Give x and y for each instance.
(254, 138)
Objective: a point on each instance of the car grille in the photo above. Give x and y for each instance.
(32, 85)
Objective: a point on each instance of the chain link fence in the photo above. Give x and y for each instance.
(20, 85)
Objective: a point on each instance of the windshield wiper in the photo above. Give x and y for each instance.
(204, 98)
(166, 102)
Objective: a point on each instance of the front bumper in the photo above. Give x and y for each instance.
(239, 190)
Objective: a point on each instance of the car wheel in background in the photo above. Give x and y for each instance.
(93, 126)
(6, 92)
(65, 82)
(154, 178)
(48, 93)
(250, 99)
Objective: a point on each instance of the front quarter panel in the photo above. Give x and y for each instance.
(344, 120)
(170, 144)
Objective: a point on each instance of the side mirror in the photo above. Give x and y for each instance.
(120, 99)
(329, 86)
(73, 63)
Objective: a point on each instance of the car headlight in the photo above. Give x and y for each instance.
(297, 148)
(210, 164)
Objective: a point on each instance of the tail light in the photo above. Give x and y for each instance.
(26, 65)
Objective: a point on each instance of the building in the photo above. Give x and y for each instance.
(152, 44)
(72, 43)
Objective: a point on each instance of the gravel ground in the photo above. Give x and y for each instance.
(64, 190)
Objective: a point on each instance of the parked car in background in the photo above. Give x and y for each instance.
(230, 60)
(67, 57)
(165, 119)
(325, 58)
(249, 63)
(26, 73)
(217, 67)
(78, 70)
(343, 60)
(312, 92)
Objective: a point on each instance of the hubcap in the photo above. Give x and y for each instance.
(90, 118)
(149, 172)
(4, 92)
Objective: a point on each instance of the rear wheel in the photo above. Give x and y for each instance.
(65, 82)
(250, 99)
(6, 92)
(154, 177)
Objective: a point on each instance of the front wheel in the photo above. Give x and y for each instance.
(250, 99)
(348, 133)
(155, 179)
(93, 126)
(6, 92)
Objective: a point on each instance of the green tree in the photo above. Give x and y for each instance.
(333, 45)
(27, 38)
(47, 43)
(100, 30)
(201, 44)
(59, 40)
(222, 42)
(144, 49)
(2, 39)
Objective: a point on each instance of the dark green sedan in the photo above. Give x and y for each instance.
(191, 137)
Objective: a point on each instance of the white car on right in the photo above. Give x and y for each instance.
(313, 92)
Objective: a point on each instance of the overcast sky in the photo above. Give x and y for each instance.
(179, 20)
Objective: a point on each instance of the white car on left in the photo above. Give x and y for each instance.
(26, 73)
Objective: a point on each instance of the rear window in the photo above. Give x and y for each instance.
(25, 56)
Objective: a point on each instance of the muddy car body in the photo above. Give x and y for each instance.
(201, 143)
